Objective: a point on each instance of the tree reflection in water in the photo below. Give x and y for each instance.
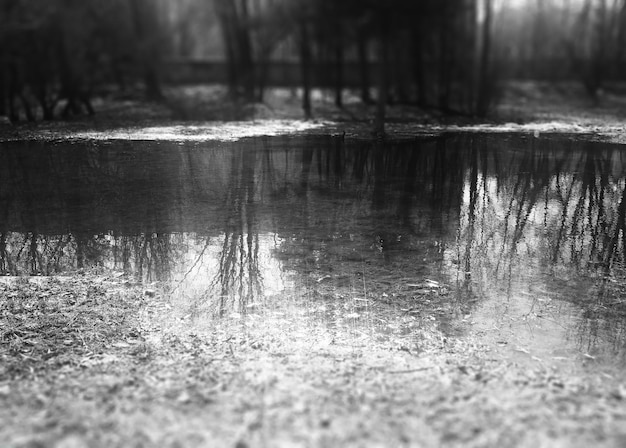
(551, 229)
(231, 223)
(238, 274)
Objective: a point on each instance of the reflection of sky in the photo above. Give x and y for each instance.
(198, 271)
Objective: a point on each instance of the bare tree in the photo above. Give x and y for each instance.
(146, 24)
(235, 20)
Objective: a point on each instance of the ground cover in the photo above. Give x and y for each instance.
(97, 360)
(204, 113)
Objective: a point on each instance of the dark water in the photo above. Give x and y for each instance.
(519, 239)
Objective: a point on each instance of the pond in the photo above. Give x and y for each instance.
(516, 239)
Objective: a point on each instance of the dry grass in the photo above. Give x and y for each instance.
(92, 361)
(46, 324)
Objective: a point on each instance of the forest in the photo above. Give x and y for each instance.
(452, 56)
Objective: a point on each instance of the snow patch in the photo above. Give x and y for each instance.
(222, 131)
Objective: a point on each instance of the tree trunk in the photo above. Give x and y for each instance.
(418, 67)
(246, 61)
(383, 73)
(234, 21)
(305, 67)
(621, 41)
(231, 57)
(13, 89)
(339, 56)
(364, 68)
(444, 63)
(147, 47)
(3, 85)
(485, 89)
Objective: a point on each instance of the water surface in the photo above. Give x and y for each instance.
(516, 239)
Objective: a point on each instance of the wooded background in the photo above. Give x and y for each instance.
(451, 55)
